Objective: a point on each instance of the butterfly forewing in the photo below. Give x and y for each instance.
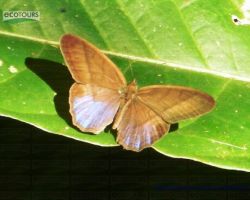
(88, 65)
(175, 103)
(138, 126)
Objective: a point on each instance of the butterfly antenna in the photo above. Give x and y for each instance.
(131, 70)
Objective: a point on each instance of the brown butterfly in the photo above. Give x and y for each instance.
(100, 96)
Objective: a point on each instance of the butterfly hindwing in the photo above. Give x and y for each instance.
(175, 103)
(93, 107)
(138, 126)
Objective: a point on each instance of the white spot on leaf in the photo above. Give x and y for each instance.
(1, 63)
(12, 69)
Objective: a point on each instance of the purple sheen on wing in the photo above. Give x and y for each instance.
(137, 142)
(127, 140)
(147, 137)
(93, 114)
(140, 136)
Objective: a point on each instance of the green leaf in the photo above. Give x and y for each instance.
(189, 43)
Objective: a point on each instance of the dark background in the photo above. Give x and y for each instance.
(41, 166)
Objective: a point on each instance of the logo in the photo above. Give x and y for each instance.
(11, 15)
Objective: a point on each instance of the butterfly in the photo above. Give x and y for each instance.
(100, 96)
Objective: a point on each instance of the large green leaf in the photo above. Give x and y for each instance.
(182, 42)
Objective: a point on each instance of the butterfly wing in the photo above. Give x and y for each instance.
(94, 98)
(93, 107)
(88, 65)
(144, 119)
(138, 126)
(175, 103)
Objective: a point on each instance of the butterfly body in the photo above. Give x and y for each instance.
(100, 96)
(129, 92)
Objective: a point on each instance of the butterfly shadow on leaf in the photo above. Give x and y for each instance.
(58, 78)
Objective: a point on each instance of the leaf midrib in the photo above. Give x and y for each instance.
(139, 59)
